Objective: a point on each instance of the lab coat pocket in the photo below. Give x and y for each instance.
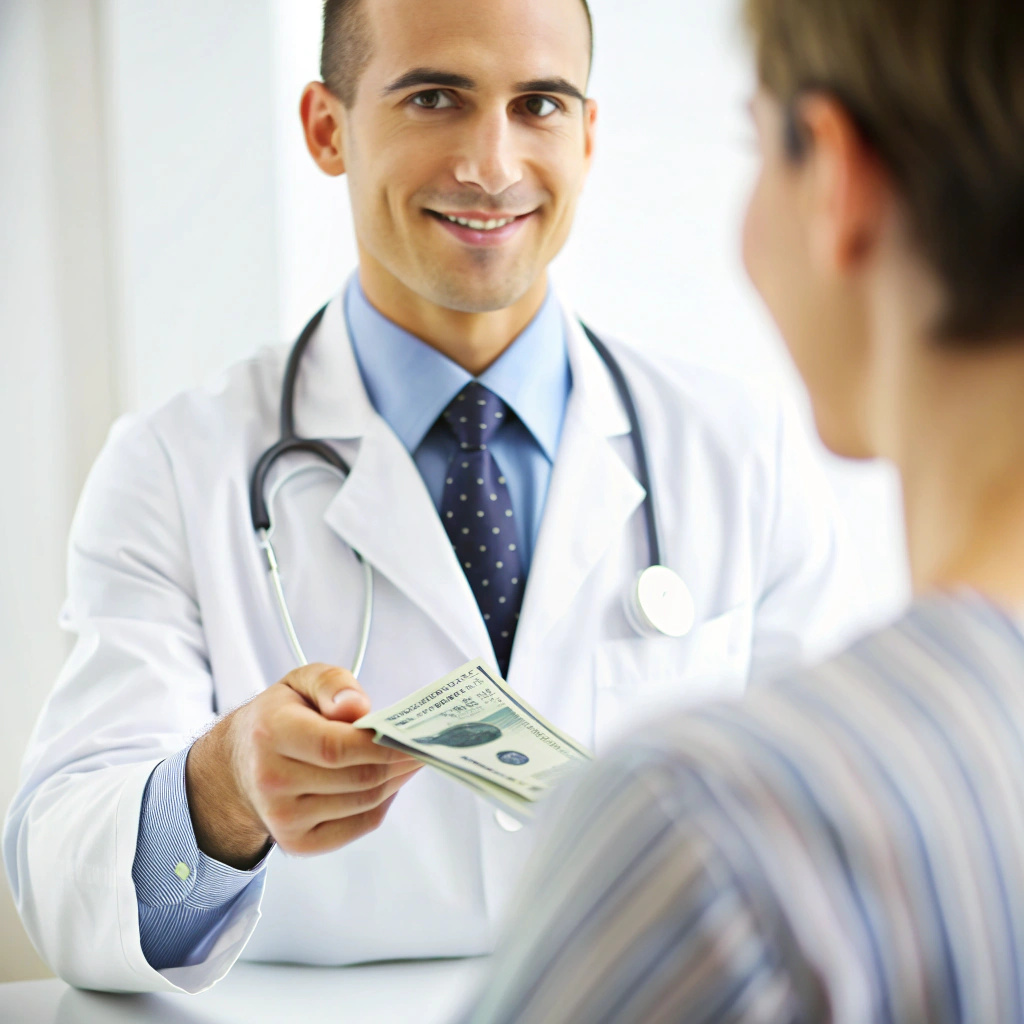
(636, 678)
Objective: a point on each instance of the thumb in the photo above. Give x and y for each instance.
(333, 691)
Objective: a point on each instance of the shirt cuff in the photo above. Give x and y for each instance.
(169, 867)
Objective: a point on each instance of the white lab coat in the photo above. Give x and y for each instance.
(176, 624)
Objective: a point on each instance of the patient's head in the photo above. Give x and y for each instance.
(890, 205)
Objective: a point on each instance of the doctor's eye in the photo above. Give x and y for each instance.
(541, 106)
(433, 99)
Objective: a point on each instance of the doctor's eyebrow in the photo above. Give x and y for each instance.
(560, 86)
(451, 80)
(429, 76)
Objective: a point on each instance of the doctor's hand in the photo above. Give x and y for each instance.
(289, 766)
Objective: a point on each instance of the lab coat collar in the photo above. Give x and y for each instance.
(331, 400)
(594, 395)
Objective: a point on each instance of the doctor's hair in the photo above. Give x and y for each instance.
(347, 47)
(936, 89)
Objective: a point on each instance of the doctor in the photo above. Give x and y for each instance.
(145, 858)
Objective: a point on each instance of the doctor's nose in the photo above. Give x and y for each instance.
(487, 156)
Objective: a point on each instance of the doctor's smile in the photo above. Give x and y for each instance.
(481, 228)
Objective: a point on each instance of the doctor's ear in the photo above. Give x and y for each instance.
(322, 116)
(589, 130)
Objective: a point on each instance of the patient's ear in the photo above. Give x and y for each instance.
(323, 121)
(845, 190)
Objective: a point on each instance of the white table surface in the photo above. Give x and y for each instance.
(426, 992)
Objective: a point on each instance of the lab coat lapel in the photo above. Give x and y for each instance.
(383, 510)
(591, 497)
(386, 514)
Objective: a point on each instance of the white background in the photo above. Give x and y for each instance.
(161, 218)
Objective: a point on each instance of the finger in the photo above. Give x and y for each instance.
(333, 691)
(297, 779)
(306, 736)
(307, 812)
(349, 706)
(338, 832)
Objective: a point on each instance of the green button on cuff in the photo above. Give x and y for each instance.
(182, 870)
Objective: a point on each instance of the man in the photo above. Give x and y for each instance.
(138, 845)
(847, 845)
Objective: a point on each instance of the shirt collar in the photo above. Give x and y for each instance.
(410, 384)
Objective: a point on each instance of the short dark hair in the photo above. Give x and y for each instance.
(347, 46)
(936, 88)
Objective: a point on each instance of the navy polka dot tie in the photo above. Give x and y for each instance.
(477, 512)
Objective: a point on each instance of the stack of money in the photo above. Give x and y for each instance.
(471, 726)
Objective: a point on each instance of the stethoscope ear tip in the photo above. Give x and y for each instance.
(660, 603)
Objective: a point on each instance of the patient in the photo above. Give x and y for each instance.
(848, 844)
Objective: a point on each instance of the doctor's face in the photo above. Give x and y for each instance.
(467, 146)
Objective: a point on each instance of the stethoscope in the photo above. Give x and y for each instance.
(659, 603)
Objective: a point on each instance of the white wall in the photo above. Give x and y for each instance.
(189, 88)
(161, 218)
(56, 387)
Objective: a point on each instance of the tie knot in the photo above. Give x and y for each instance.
(474, 415)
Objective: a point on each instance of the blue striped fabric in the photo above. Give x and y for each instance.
(845, 845)
(179, 916)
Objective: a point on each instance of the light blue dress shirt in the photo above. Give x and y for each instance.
(183, 895)
(410, 384)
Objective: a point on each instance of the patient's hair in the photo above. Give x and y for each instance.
(347, 46)
(936, 87)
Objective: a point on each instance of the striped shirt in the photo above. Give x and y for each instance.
(184, 896)
(846, 845)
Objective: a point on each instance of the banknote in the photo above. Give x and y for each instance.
(472, 726)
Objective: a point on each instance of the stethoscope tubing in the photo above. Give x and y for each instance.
(273, 569)
(639, 443)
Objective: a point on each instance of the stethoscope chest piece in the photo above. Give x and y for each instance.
(660, 604)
